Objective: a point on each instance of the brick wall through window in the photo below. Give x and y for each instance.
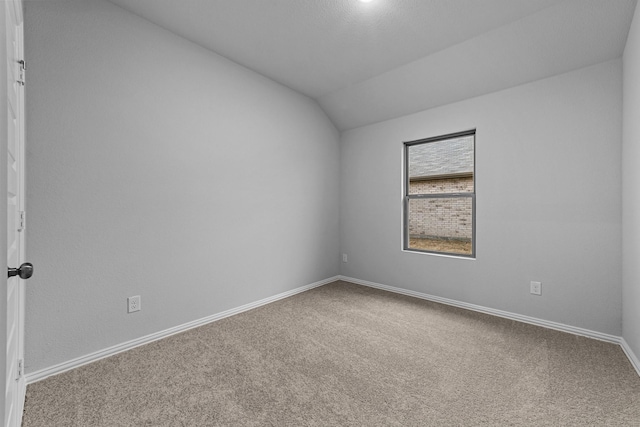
(441, 218)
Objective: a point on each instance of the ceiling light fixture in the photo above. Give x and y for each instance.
(365, 1)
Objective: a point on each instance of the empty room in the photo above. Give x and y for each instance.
(321, 213)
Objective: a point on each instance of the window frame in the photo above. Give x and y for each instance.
(407, 197)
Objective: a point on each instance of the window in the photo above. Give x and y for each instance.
(440, 198)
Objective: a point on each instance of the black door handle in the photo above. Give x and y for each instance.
(24, 271)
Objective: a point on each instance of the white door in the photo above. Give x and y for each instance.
(14, 378)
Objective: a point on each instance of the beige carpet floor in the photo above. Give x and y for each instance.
(347, 355)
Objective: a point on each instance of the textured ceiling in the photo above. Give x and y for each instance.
(369, 62)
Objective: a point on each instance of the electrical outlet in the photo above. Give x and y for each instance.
(536, 288)
(134, 304)
(344, 257)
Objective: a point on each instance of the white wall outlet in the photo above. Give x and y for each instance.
(134, 304)
(536, 288)
(344, 257)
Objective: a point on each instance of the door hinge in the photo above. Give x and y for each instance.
(23, 69)
(22, 220)
(20, 369)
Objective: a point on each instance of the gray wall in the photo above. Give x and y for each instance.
(157, 168)
(548, 161)
(631, 188)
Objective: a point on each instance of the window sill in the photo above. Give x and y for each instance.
(468, 258)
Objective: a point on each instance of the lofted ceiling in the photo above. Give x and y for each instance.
(367, 62)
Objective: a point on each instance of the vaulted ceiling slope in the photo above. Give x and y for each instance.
(370, 62)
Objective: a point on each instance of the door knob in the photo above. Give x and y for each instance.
(24, 271)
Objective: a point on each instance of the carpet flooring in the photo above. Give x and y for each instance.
(347, 355)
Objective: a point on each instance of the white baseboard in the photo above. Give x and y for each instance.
(101, 354)
(492, 311)
(635, 362)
